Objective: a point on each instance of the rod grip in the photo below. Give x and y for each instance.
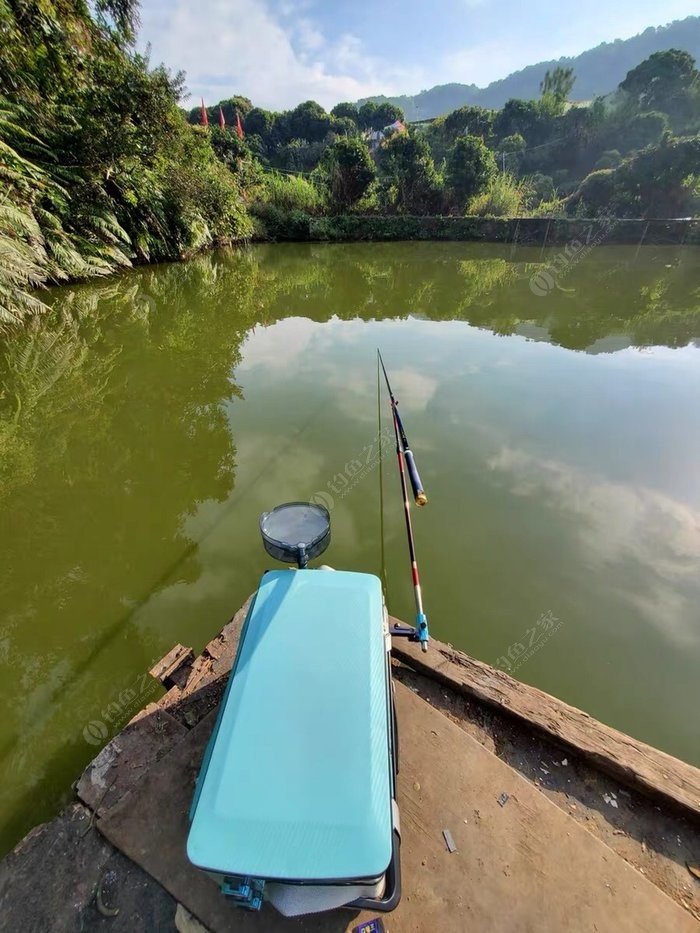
(416, 485)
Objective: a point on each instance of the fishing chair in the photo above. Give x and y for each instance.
(295, 802)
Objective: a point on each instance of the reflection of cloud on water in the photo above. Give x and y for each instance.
(620, 522)
(280, 345)
(301, 344)
(412, 389)
(295, 341)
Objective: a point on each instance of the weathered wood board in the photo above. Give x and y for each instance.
(127, 757)
(632, 762)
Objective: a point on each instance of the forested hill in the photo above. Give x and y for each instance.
(598, 71)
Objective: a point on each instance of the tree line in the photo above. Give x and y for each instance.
(635, 152)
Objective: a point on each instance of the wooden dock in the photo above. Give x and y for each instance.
(559, 821)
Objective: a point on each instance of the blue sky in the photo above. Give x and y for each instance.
(280, 52)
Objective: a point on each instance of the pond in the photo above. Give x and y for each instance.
(148, 420)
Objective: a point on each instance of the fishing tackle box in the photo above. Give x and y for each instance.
(295, 802)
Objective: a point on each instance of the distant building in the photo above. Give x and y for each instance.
(374, 137)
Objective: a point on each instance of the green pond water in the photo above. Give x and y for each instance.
(148, 420)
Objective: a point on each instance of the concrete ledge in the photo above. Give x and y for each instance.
(522, 231)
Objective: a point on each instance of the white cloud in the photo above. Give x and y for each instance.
(240, 46)
(309, 37)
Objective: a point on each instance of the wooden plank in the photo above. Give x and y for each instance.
(166, 669)
(149, 736)
(632, 762)
(195, 695)
(521, 866)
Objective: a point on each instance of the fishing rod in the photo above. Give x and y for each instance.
(403, 454)
(416, 485)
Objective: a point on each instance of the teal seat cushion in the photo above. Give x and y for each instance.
(298, 783)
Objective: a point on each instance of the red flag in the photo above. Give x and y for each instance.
(222, 122)
(239, 128)
(204, 119)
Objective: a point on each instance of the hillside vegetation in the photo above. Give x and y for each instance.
(635, 153)
(99, 168)
(599, 71)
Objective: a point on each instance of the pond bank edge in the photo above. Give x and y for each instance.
(297, 226)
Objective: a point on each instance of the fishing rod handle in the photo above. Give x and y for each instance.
(416, 485)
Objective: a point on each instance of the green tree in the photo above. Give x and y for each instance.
(611, 158)
(366, 115)
(260, 123)
(345, 109)
(470, 165)
(504, 196)
(665, 81)
(513, 148)
(234, 106)
(524, 117)
(348, 170)
(309, 121)
(469, 121)
(230, 106)
(122, 15)
(542, 187)
(344, 126)
(373, 116)
(386, 114)
(596, 192)
(645, 129)
(659, 181)
(556, 87)
(410, 182)
(231, 150)
(110, 173)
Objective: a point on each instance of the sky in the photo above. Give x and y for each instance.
(282, 52)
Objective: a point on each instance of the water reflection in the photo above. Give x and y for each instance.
(112, 431)
(146, 421)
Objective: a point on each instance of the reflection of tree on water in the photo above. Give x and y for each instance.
(610, 292)
(112, 431)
